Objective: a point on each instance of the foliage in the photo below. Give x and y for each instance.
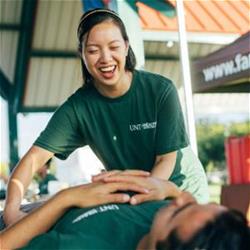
(210, 139)
(210, 143)
(4, 169)
(239, 129)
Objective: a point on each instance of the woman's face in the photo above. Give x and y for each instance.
(104, 54)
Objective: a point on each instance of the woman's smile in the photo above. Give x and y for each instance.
(108, 71)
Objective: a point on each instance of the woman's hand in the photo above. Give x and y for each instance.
(101, 193)
(158, 189)
(105, 174)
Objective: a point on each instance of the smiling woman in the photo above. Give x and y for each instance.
(131, 119)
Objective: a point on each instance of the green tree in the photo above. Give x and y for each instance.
(210, 139)
(239, 129)
(211, 144)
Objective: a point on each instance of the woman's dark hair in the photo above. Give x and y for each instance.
(229, 231)
(87, 22)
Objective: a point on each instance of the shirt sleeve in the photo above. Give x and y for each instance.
(171, 133)
(62, 134)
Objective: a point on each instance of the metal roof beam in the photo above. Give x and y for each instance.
(22, 60)
(9, 27)
(54, 53)
(39, 109)
(162, 58)
(166, 58)
(23, 51)
(5, 86)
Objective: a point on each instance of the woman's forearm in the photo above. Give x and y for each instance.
(17, 186)
(20, 180)
(164, 165)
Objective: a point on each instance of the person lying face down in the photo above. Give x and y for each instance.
(178, 224)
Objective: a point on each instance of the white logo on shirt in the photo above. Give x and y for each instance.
(97, 210)
(142, 126)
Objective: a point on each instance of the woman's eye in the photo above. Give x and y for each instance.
(93, 51)
(114, 47)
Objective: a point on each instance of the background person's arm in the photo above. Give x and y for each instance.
(19, 181)
(41, 219)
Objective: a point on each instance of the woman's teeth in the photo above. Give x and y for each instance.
(107, 69)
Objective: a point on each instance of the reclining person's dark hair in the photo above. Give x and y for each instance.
(228, 231)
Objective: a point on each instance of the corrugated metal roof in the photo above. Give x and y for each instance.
(161, 48)
(165, 61)
(165, 68)
(51, 78)
(56, 25)
(50, 81)
(8, 48)
(201, 16)
(11, 11)
(10, 15)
